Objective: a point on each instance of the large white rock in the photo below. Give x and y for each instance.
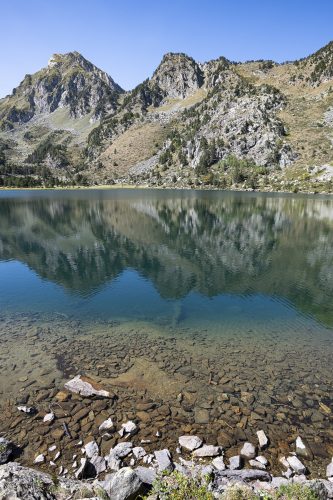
(248, 450)
(296, 464)
(125, 484)
(190, 442)
(207, 451)
(86, 387)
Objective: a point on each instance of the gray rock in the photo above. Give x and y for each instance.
(17, 482)
(121, 450)
(125, 485)
(296, 465)
(218, 463)
(139, 452)
(146, 474)
(207, 451)
(86, 387)
(91, 449)
(99, 463)
(190, 442)
(279, 481)
(235, 462)
(329, 470)
(243, 475)
(6, 449)
(164, 461)
(248, 450)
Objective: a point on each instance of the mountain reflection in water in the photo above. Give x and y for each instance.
(166, 246)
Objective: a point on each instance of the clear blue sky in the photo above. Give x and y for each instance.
(127, 38)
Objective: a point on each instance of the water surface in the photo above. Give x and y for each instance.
(240, 283)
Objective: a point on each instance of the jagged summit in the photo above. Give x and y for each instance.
(68, 81)
(178, 75)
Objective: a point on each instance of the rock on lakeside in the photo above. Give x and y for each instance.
(98, 477)
(17, 482)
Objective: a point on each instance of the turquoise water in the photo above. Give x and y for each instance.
(242, 261)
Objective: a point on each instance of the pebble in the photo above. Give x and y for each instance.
(39, 459)
(48, 418)
(256, 464)
(263, 439)
(128, 428)
(107, 425)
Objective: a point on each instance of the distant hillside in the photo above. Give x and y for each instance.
(254, 125)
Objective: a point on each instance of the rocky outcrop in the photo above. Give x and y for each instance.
(29, 484)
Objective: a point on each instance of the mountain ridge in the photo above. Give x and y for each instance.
(253, 125)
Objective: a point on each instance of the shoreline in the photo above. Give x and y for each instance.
(106, 187)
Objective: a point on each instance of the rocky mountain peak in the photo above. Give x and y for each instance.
(68, 81)
(178, 75)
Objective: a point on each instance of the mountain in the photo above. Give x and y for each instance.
(253, 125)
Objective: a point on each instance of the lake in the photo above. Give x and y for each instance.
(216, 306)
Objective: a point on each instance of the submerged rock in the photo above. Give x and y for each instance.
(303, 449)
(107, 425)
(86, 387)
